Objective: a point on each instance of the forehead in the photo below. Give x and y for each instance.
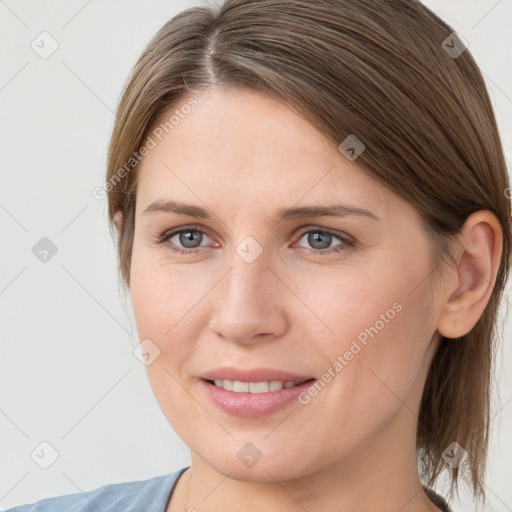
(240, 147)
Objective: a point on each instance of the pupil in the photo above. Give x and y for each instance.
(188, 237)
(314, 238)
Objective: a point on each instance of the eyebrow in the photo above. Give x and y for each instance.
(336, 210)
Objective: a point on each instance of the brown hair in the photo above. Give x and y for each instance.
(378, 70)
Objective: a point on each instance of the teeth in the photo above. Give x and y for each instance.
(259, 387)
(240, 387)
(253, 387)
(276, 385)
(226, 384)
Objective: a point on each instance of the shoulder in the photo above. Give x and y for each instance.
(148, 495)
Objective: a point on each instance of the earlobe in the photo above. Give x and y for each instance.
(471, 282)
(118, 221)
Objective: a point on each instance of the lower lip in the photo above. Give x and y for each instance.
(252, 405)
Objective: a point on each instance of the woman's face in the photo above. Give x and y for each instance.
(342, 301)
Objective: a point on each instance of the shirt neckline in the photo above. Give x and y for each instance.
(171, 492)
(436, 499)
(432, 495)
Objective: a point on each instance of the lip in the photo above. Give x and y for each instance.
(252, 405)
(253, 375)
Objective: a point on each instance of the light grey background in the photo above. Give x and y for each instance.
(67, 372)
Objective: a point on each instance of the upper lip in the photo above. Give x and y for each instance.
(253, 375)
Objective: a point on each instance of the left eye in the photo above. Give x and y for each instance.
(320, 240)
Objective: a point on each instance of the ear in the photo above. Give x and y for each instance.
(469, 285)
(118, 221)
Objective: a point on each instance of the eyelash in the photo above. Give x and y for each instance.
(348, 242)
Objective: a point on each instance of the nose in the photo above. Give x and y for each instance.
(248, 305)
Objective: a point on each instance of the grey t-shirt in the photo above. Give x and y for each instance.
(151, 495)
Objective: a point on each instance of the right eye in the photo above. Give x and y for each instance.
(188, 238)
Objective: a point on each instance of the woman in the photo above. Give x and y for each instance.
(311, 204)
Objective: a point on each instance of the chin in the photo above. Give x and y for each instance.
(267, 465)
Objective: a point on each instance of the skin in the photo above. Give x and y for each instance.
(242, 155)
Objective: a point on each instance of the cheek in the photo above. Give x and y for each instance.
(164, 314)
(168, 302)
(160, 307)
(372, 361)
(161, 295)
(377, 318)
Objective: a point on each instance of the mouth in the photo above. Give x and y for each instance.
(254, 398)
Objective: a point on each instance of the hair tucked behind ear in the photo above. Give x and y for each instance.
(377, 70)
